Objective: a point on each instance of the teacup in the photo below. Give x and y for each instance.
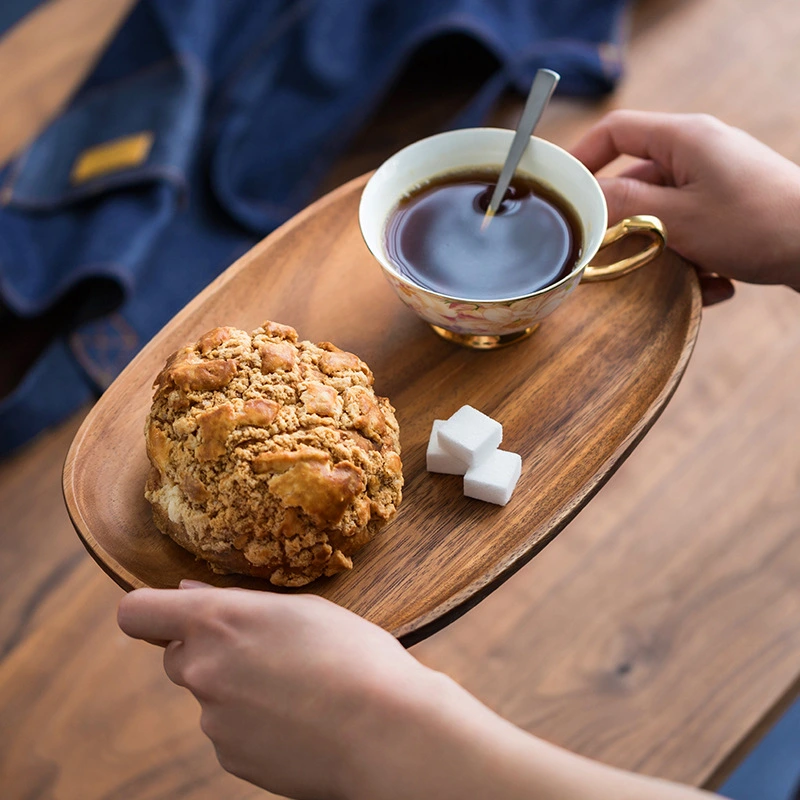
(487, 324)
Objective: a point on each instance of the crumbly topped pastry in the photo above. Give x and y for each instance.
(271, 456)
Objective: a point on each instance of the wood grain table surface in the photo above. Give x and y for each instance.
(660, 632)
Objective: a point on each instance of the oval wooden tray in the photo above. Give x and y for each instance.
(574, 400)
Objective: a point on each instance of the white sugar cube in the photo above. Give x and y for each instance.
(494, 478)
(469, 435)
(438, 459)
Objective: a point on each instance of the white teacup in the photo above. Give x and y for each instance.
(486, 324)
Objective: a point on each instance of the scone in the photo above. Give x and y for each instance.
(271, 456)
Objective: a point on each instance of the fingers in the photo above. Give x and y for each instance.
(647, 172)
(188, 583)
(643, 134)
(628, 196)
(157, 614)
(173, 662)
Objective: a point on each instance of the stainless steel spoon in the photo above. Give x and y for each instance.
(542, 88)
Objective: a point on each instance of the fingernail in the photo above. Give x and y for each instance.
(187, 583)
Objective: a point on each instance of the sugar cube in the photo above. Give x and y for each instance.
(494, 478)
(438, 459)
(470, 435)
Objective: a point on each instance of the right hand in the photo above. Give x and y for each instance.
(730, 204)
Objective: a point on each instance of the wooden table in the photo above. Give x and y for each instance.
(660, 632)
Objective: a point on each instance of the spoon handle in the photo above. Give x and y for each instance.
(542, 88)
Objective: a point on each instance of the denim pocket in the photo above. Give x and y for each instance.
(89, 197)
(83, 211)
(161, 104)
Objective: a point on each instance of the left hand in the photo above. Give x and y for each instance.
(306, 699)
(298, 695)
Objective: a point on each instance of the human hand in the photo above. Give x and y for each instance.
(308, 700)
(730, 204)
(304, 698)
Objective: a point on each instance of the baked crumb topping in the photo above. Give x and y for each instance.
(271, 456)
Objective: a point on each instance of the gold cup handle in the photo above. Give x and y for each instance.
(652, 227)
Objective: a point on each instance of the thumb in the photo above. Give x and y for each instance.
(628, 196)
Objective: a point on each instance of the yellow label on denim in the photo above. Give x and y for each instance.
(118, 154)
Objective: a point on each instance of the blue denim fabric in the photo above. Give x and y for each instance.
(249, 103)
(12, 11)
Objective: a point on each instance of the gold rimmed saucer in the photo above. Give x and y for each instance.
(477, 342)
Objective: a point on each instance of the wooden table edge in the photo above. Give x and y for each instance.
(722, 771)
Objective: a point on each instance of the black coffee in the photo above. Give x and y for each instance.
(434, 237)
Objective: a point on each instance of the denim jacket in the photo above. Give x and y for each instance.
(206, 124)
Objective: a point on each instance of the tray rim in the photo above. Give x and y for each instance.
(480, 588)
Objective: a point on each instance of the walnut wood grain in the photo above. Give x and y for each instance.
(574, 400)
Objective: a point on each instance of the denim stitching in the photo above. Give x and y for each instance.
(119, 180)
(193, 65)
(104, 370)
(283, 25)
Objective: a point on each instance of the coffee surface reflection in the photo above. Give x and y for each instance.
(434, 237)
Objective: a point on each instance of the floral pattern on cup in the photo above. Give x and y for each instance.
(485, 317)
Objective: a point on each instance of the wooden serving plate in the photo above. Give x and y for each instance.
(574, 400)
